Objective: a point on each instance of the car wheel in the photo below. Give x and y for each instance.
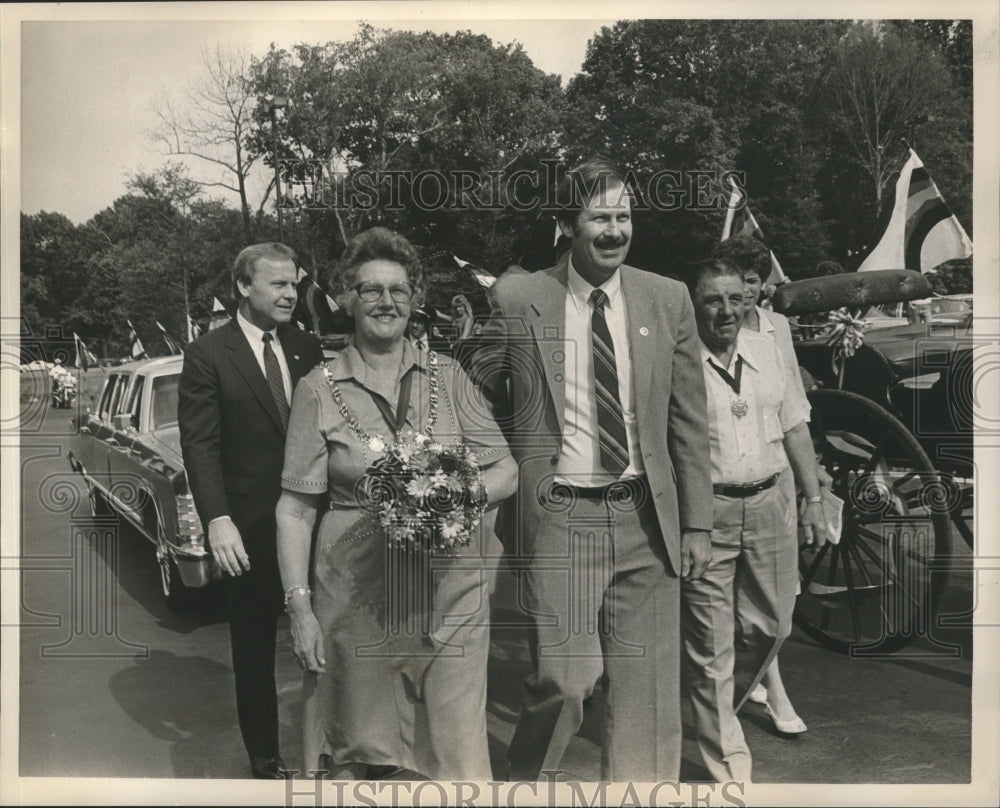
(177, 596)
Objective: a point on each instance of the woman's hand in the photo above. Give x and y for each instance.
(307, 640)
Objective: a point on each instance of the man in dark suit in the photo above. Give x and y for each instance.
(235, 390)
(593, 368)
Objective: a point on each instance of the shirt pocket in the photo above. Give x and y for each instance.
(769, 401)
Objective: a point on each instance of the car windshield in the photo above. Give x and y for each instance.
(164, 404)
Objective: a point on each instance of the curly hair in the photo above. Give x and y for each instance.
(377, 243)
(749, 253)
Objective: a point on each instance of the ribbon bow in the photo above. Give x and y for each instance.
(846, 336)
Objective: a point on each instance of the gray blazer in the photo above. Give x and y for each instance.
(519, 363)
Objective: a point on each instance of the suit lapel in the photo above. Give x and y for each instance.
(548, 326)
(299, 363)
(246, 364)
(642, 330)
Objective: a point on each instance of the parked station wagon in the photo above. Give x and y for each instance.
(127, 447)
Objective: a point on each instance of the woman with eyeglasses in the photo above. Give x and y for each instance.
(393, 643)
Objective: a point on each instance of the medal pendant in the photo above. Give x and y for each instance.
(738, 408)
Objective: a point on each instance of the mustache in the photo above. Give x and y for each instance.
(610, 242)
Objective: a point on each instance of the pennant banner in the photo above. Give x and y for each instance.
(741, 222)
(84, 358)
(172, 346)
(193, 332)
(137, 351)
(483, 278)
(922, 232)
(219, 315)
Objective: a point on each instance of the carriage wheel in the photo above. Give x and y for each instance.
(878, 589)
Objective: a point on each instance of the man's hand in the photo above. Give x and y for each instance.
(307, 640)
(825, 480)
(227, 547)
(696, 553)
(814, 526)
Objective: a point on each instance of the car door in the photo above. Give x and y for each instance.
(91, 446)
(127, 474)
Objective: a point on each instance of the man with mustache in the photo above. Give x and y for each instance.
(760, 448)
(593, 367)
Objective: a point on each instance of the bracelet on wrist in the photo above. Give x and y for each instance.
(814, 500)
(305, 590)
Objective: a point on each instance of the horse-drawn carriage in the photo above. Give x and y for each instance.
(892, 424)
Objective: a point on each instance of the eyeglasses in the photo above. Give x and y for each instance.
(372, 292)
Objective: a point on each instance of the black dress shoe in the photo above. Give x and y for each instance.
(268, 768)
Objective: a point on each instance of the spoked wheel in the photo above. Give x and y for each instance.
(878, 589)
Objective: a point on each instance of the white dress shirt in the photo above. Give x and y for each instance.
(255, 337)
(580, 460)
(751, 448)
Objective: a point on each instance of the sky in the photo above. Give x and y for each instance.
(87, 89)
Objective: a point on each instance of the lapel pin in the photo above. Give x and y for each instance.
(295, 357)
(644, 331)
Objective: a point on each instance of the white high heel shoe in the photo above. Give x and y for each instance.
(793, 726)
(758, 695)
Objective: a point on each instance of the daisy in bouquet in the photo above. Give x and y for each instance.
(428, 497)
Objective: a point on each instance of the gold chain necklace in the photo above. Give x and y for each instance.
(377, 443)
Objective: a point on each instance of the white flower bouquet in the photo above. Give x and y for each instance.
(428, 497)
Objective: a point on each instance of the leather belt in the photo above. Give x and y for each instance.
(632, 486)
(747, 490)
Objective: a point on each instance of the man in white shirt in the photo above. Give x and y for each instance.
(233, 402)
(760, 447)
(594, 370)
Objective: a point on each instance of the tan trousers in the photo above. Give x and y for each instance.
(751, 579)
(603, 598)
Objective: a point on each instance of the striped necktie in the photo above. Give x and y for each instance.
(274, 380)
(612, 438)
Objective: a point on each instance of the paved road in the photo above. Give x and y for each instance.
(116, 685)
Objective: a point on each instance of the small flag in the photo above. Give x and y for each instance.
(484, 278)
(138, 352)
(219, 315)
(741, 222)
(193, 331)
(84, 358)
(315, 306)
(172, 346)
(922, 232)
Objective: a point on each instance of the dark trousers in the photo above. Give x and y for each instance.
(254, 605)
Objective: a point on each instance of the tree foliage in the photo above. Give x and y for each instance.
(422, 132)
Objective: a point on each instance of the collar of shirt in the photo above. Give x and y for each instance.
(743, 348)
(766, 326)
(349, 363)
(253, 333)
(580, 289)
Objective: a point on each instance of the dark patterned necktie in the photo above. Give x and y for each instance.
(274, 380)
(612, 438)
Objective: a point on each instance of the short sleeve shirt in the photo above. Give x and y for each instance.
(750, 447)
(323, 452)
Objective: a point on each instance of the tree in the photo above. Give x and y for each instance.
(389, 109)
(703, 98)
(889, 89)
(215, 125)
